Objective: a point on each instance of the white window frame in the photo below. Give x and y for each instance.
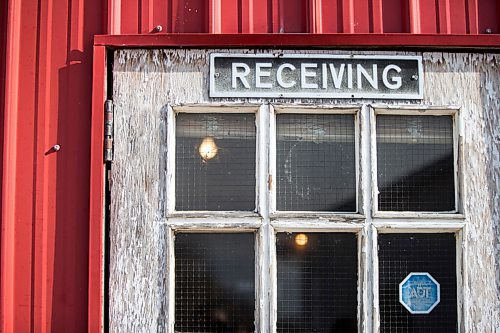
(384, 222)
(367, 222)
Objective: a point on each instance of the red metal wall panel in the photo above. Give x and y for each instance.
(396, 16)
(45, 213)
(190, 15)
(489, 16)
(293, 16)
(331, 16)
(458, 16)
(303, 16)
(3, 47)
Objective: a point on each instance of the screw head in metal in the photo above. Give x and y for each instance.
(158, 28)
(488, 31)
(414, 77)
(56, 147)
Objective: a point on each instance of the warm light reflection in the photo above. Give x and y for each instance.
(208, 149)
(301, 239)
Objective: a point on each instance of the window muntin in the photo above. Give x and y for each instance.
(215, 161)
(415, 163)
(214, 282)
(402, 254)
(315, 162)
(317, 282)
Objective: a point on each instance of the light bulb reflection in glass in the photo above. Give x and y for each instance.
(208, 148)
(301, 239)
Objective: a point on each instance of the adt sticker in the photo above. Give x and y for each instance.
(419, 293)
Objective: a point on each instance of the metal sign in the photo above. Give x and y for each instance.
(316, 76)
(419, 293)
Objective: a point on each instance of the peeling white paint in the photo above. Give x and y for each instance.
(149, 83)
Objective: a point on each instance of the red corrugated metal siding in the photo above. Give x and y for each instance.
(3, 47)
(308, 16)
(47, 203)
(489, 15)
(45, 211)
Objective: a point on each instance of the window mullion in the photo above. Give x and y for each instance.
(263, 254)
(367, 291)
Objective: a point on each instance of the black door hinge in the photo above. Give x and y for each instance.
(108, 131)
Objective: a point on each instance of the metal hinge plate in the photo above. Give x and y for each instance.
(108, 131)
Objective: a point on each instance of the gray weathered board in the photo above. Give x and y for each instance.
(146, 81)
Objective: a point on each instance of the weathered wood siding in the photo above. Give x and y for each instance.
(146, 81)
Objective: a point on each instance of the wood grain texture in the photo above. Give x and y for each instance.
(145, 82)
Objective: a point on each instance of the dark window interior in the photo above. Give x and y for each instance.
(317, 282)
(215, 162)
(315, 162)
(415, 163)
(402, 254)
(214, 282)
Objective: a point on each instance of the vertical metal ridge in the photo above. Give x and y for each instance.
(377, 17)
(146, 16)
(114, 17)
(444, 18)
(472, 17)
(348, 16)
(246, 24)
(315, 16)
(215, 17)
(275, 15)
(415, 26)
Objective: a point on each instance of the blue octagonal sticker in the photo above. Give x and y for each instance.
(419, 293)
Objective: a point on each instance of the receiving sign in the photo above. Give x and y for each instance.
(419, 293)
(316, 76)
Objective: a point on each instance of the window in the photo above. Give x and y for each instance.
(415, 165)
(215, 161)
(306, 219)
(215, 282)
(315, 157)
(432, 253)
(317, 288)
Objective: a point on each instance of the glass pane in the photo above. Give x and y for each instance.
(315, 163)
(415, 163)
(317, 282)
(215, 162)
(402, 254)
(214, 283)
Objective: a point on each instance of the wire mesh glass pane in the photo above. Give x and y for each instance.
(317, 282)
(415, 163)
(214, 282)
(215, 162)
(315, 162)
(402, 254)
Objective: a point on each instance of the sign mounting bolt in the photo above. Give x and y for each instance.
(414, 77)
